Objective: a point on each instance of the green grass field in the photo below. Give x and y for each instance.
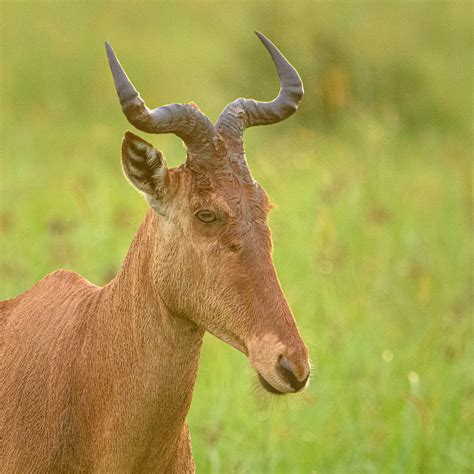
(372, 226)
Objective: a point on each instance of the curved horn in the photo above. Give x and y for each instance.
(244, 113)
(184, 120)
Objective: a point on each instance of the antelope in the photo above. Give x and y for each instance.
(100, 379)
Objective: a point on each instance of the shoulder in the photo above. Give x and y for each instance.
(66, 276)
(53, 283)
(64, 280)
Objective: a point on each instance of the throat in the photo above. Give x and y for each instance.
(146, 358)
(140, 311)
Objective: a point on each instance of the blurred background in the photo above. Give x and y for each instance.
(371, 181)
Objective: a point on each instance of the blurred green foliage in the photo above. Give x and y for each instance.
(372, 181)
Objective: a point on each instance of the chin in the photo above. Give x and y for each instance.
(268, 387)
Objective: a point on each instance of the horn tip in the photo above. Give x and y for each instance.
(266, 42)
(108, 47)
(261, 36)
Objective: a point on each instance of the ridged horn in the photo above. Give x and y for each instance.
(244, 113)
(184, 120)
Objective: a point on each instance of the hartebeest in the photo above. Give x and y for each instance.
(100, 379)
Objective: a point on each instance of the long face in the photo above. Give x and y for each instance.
(213, 251)
(213, 259)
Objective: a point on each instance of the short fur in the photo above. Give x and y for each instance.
(100, 380)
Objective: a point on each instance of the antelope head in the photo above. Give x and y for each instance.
(213, 249)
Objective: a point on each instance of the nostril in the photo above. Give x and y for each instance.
(286, 371)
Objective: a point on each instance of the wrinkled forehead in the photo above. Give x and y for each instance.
(227, 188)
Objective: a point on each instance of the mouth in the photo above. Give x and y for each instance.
(268, 387)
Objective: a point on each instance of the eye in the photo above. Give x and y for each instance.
(206, 216)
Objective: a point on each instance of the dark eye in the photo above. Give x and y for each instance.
(206, 216)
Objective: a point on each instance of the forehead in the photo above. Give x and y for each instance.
(226, 187)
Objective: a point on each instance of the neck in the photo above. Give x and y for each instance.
(148, 356)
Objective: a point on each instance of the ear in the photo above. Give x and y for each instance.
(145, 167)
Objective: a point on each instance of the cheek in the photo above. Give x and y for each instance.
(206, 232)
(182, 276)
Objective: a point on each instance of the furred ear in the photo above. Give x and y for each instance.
(145, 167)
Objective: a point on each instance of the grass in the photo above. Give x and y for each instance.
(372, 229)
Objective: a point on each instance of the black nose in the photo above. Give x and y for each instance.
(286, 371)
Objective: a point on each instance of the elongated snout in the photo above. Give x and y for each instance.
(280, 369)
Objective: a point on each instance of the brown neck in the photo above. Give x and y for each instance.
(146, 357)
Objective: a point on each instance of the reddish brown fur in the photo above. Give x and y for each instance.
(101, 379)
